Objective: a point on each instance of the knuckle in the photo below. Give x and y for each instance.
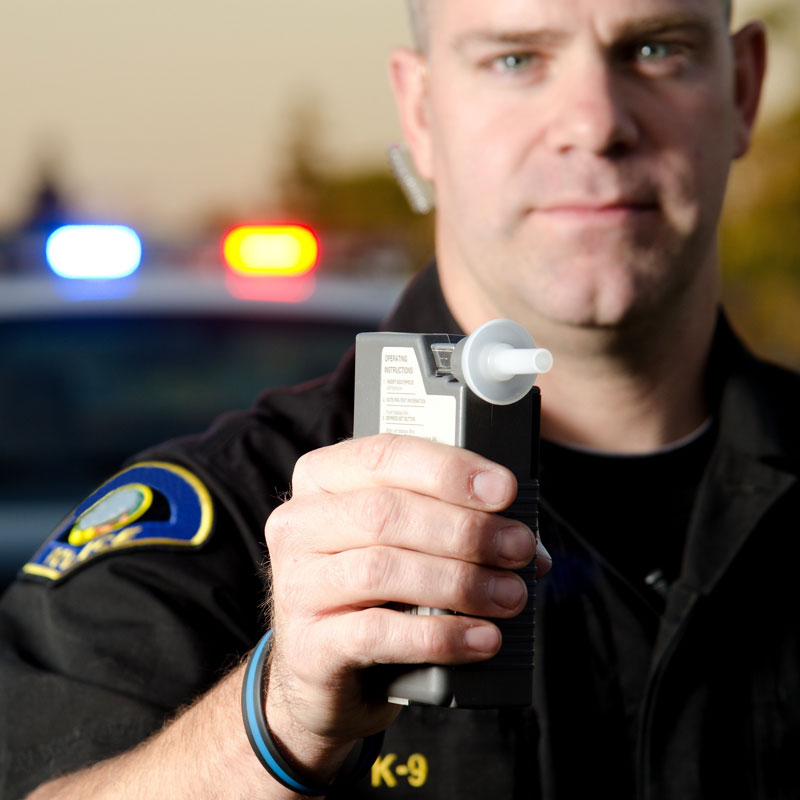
(377, 510)
(443, 469)
(277, 526)
(463, 585)
(372, 569)
(470, 539)
(363, 635)
(455, 470)
(461, 469)
(379, 452)
(303, 469)
(435, 641)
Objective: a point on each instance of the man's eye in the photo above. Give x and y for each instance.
(660, 58)
(655, 51)
(512, 62)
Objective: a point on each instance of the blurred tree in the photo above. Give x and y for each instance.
(364, 212)
(760, 241)
(48, 207)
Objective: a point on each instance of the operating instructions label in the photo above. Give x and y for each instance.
(406, 408)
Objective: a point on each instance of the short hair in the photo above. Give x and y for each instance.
(418, 14)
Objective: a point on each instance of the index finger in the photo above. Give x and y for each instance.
(448, 473)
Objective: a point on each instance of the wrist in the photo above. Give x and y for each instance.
(296, 758)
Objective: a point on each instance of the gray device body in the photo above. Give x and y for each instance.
(408, 384)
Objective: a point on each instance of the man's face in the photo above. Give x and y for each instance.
(579, 149)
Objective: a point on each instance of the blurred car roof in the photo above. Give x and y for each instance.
(177, 291)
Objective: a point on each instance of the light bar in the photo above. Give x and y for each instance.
(93, 252)
(271, 250)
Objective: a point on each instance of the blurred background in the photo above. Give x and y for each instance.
(182, 119)
(761, 226)
(185, 119)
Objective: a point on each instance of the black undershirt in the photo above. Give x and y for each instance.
(633, 509)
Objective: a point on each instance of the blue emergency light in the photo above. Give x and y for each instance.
(94, 252)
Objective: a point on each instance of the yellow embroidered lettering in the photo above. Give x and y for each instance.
(95, 546)
(381, 771)
(417, 769)
(60, 559)
(125, 535)
(108, 541)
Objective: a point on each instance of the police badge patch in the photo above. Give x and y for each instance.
(149, 504)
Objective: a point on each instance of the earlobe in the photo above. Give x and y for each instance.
(409, 76)
(750, 63)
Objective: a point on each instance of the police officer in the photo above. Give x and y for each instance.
(579, 151)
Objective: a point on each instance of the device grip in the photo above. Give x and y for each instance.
(506, 679)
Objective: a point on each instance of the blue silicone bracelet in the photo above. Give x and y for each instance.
(265, 747)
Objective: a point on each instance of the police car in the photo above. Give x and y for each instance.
(95, 369)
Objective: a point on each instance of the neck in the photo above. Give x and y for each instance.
(632, 388)
(606, 401)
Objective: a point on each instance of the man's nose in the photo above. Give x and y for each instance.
(593, 110)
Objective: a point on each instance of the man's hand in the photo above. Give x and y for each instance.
(372, 521)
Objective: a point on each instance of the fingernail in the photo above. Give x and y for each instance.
(483, 638)
(490, 487)
(515, 544)
(506, 591)
(541, 551)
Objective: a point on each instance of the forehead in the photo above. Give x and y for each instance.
(449, 16)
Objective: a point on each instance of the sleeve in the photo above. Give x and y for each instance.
(134, 606)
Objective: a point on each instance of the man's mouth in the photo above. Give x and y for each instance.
(590, 214)
(600, 208)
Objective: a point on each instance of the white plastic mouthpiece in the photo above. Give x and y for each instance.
(500, 361)
(503, 361)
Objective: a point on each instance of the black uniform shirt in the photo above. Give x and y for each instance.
(144, 598)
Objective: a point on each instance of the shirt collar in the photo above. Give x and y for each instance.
(422, 307)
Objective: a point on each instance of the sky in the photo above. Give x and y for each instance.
(161, 112)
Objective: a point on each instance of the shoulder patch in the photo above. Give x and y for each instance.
(153, 504)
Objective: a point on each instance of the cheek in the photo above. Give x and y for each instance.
(482, 183)
(692, 139)
(476, 153)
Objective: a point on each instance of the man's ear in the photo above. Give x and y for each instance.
(750, 64)
(408, 72)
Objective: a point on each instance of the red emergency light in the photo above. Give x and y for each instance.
(271, 250)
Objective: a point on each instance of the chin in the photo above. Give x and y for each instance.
(573, 300)
(613, 290)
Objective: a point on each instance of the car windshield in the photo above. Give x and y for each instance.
(83, 394)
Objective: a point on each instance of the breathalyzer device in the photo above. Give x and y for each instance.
(474, 392)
